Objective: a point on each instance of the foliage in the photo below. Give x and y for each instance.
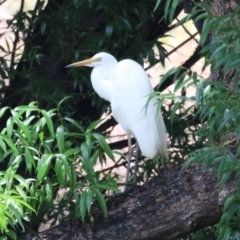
(47, 143)
(220, 131)
(61, 38)
(13, 200)
(218, 108)
(215, 112)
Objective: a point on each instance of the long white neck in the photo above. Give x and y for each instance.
(101, 78)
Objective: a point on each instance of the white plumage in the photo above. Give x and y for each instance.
(127, 87)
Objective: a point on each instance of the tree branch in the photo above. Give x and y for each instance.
(174, 49)
(190, 62)
(167, 207)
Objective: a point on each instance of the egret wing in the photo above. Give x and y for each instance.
(131, 88)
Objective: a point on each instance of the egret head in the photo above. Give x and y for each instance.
(99, 59)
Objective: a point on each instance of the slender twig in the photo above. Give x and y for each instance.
(16, 38)
(186, 65)
(116, 165)
(174, 50)
(3, 1)
(36, 6)
(33, 232)
(186, 30)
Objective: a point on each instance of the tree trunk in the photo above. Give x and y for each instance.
(171, 205)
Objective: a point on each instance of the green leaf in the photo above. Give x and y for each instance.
(22, 202)
(29, 160)
(199, 93)
(60, 138)
(83, 205)
(216, 51)
(10, 143)
(47, 146)
(93, 125)
(173, 111)
(85, 151)
(58, 170)
(157, 4)
(74, 123)
(43, 27)
(104, 145)
(235, 63)
(125, 21)
(107, 185)
(89, 139)
(73, 178)
(8, 178)
(15, 213)
(22, 139)
(21, 192)
(21, 125)
(63, 100)
(109, 30)
(174, 5)
(67, 168)
(21, 180)
(48, 190)
(3, 145)
(94, 157)
(48, 119)
(169, 73)
(71, 152)
(26, 108)
(89, 198)
(11, 234)
(225, 177)
(101, 201)
(205, 31)
(10, 123)
(166, 10)
(43, 166)
(230, 200)
(3, 110)
(27, 121)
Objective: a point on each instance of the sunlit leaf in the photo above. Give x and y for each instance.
(60, 138)
(48, 119)
(43, 166)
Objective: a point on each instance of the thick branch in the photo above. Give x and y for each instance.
(169, 206)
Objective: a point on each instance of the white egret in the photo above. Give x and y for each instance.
(127, 87)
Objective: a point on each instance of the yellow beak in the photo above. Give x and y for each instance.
(84, 62)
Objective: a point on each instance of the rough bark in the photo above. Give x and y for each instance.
(171, 205)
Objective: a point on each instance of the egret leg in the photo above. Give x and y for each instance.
(129, 159)
(136, 163)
